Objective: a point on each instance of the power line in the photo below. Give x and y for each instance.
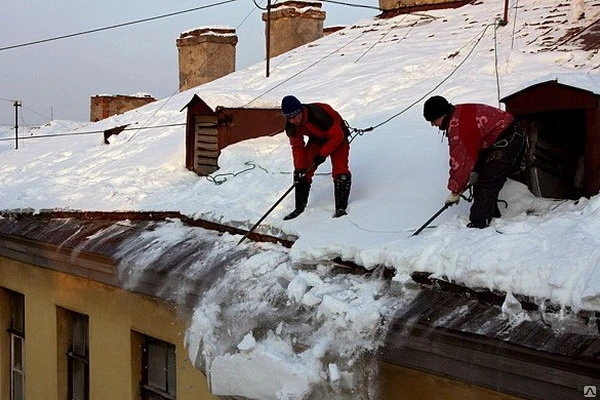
(91, 132)
(302, 70)
(114, 26)
(480, 36)
(351, 4)
(177, 90)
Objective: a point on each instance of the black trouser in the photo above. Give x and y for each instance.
(494, 165)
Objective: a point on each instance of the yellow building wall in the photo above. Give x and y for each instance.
(113, 315)
(115, 318)
(409, 384)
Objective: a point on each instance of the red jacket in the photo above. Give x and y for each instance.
(471, 128)
(322, 124)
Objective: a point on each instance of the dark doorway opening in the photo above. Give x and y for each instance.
(556, 156)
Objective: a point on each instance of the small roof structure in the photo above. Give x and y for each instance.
(209, 130)
(562, 115)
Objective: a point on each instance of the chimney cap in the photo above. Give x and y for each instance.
(205, 30)
(297, 4)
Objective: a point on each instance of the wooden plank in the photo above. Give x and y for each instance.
(207, 146)
(207, 154)
(206, 132)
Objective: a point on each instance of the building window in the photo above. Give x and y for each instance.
(158, 370)
(78, 358)
(73, 354)
(16, 331)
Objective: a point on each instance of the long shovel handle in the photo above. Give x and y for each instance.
(430, 220)
(267, 213)
(273, 207)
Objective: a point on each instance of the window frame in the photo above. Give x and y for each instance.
(75, 358)
(169, 366)
(16, 332)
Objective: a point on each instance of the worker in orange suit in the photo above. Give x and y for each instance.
(327, 136)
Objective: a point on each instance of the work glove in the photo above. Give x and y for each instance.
(299, 175)
(319, 159)
(453, 198)
(473, 178)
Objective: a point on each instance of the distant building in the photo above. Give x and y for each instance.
(104, 106)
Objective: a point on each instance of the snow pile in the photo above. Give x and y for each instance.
(298, 332)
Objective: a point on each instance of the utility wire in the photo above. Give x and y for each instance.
(177, 90)
(114, 26)
(91, 132)
(351, 4)
(302, 71)
(259, 6)
(360, 131)
(384, 35)
(136, 129)
(496, 63)
(512, 42)
(36, 113)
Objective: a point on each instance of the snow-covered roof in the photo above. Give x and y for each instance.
(589, 81)
(376, 74)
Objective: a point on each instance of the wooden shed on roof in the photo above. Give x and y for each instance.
(562, 122)
(209, 131)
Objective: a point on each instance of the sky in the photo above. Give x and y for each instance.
(55, 80)
(300, 324)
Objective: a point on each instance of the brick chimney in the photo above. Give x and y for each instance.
(294, 23)
(205, 54)
(104, 106)
(391, 8)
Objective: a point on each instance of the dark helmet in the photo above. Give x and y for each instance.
(435, 107)
(290, 106)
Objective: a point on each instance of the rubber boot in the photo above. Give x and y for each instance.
(341, 193)
(496, 213)
(301, 192)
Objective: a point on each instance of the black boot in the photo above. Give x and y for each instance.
(341, 193)
(301, 191)
(479, 224)
(496, 213)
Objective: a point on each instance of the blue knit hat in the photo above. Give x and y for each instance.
(290, 106)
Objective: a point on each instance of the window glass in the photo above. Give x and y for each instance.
(159, 370)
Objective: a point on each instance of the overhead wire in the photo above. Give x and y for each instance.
(358, 132)
(496, 63)
(177, 90)
(302, 70)
(516, 7)
(350, 4)
(114, 26)
(71, 133)
(258, 6)
(383, 37)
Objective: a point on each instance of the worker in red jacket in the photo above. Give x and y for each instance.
(486, 146)
(327, 136)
